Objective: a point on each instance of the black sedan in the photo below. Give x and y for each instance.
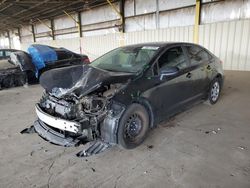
(124, 93)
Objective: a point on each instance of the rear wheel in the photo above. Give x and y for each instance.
(214, 91)
(133, 126)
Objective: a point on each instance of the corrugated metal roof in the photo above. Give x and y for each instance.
(14, 13)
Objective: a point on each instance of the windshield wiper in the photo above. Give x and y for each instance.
(111, 70)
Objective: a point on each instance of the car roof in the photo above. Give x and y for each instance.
(159, 44)
(6, 49)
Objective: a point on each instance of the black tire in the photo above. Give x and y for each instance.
(214, 91)
(133, 126)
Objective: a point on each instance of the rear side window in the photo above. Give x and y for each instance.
(7, 53)
(173, 57)
(197, 55)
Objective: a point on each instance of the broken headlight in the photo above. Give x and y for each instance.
(93, 105)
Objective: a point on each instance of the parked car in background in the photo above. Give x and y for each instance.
(10, 75)
(23, 67)
(124, 93)
(41, 58)
(5, 53)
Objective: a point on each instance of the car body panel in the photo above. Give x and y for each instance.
(77, 89)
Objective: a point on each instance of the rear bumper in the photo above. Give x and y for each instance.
(54, 137)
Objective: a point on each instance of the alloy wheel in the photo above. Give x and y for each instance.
(215, 91)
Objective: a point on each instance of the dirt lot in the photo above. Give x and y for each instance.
(205, 146)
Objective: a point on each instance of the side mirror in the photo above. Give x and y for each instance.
(171, 71)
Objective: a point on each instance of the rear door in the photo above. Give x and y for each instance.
(199, 69)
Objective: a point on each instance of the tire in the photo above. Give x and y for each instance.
(214, 91)
(133, 126)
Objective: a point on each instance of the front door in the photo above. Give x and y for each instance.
(171, 92)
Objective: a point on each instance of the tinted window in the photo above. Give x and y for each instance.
(126, 59)
(1, 53)
(174, 57)
(197, 55)
(7, 53)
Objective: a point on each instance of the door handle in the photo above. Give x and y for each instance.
(189, 75)
(208, 67)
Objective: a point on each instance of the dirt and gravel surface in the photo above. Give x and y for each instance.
(205, 146)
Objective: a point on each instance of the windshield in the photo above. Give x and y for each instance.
(126, 59)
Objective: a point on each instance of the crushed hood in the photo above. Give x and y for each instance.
(79, 80)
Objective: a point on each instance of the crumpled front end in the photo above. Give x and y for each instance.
(70, 121)
(78, 105)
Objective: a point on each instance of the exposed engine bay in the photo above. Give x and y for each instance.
(90, 112)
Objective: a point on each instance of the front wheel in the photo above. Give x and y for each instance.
(214, 91)
(133, 126)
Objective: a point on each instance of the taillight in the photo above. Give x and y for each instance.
(86, 60)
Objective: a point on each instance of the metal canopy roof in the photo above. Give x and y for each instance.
(15, 13)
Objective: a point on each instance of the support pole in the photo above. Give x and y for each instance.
(8, 35)
(33, 33)
(19, 34)
(157, 14)
(197, 21)
(117, 11)
(122, 16)
(77, 22)
(52, 29)
(49, 27)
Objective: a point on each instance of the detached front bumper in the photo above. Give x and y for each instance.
(55, 122)
(54, 137)
(45, 124)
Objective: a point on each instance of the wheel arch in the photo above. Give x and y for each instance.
(146, 104)
(109, 127)
(220, 77)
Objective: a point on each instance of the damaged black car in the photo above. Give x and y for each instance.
(121, 95)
